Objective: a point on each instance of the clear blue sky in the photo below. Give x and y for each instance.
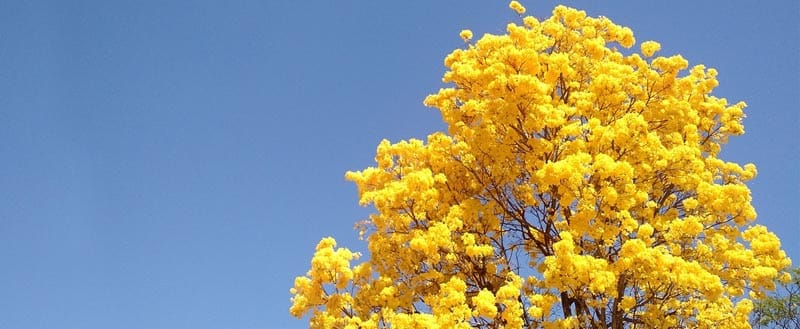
(172, 164)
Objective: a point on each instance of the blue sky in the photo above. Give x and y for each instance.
(172, 164)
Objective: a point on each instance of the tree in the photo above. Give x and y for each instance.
(577, 186)
(781, 310)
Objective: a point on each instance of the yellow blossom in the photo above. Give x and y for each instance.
(466, 35)
(649, 48)
(484, 304)
(516, 6)
(627, 303)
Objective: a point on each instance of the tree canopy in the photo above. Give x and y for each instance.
(578, 185)
(780, 309)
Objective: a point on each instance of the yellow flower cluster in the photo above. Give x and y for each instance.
(577, 186)
(649, 48)
(466, 35)
(516, 6)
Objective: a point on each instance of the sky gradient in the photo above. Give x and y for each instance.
(172, 165)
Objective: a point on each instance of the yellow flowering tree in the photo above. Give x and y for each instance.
(578, 186)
